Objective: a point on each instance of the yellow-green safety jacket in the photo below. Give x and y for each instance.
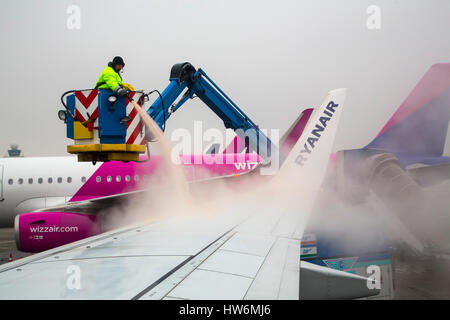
(109, 79)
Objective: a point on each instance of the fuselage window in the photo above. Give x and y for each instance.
(50, 180)
(10, 181)
(118, 178)
(136, 177)
(59, 180)
(30, 180)
(144, 177)
(69, 179)
(20, 181)
(83, 179)
(98, 179)
(40, 180)
(127, 178)
(109, 178)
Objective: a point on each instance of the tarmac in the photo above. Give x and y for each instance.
(8, 246)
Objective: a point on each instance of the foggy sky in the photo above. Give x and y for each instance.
(273, 58)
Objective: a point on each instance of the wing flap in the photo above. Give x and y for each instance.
(273, 279)
(207, 285)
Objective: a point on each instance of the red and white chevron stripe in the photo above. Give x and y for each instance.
(86, 101)
(135, 129)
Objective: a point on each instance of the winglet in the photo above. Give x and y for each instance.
(309, 156)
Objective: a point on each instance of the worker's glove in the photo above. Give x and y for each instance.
(127, 86)
(120, 91)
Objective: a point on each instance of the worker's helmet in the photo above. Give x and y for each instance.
(118, 60)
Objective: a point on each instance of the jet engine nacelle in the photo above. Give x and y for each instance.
(360, 171)
(39, 231)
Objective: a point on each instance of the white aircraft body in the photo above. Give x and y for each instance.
(35, 183)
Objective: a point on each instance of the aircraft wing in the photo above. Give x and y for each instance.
(250, 251)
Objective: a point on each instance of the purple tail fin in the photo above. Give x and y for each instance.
(237, 145)
(294, 132)
(417, 130)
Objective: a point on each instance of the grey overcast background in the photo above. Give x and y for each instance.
(274, 58)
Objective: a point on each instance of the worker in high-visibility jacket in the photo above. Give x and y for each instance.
(111, 78)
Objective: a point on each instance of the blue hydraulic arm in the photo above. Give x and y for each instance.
(197, 83)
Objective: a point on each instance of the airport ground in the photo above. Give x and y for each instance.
(8, 246)
(424, 277)
(415, 276)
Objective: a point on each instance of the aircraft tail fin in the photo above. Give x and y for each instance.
(294, 132)
(237, 145)
(420, 124)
